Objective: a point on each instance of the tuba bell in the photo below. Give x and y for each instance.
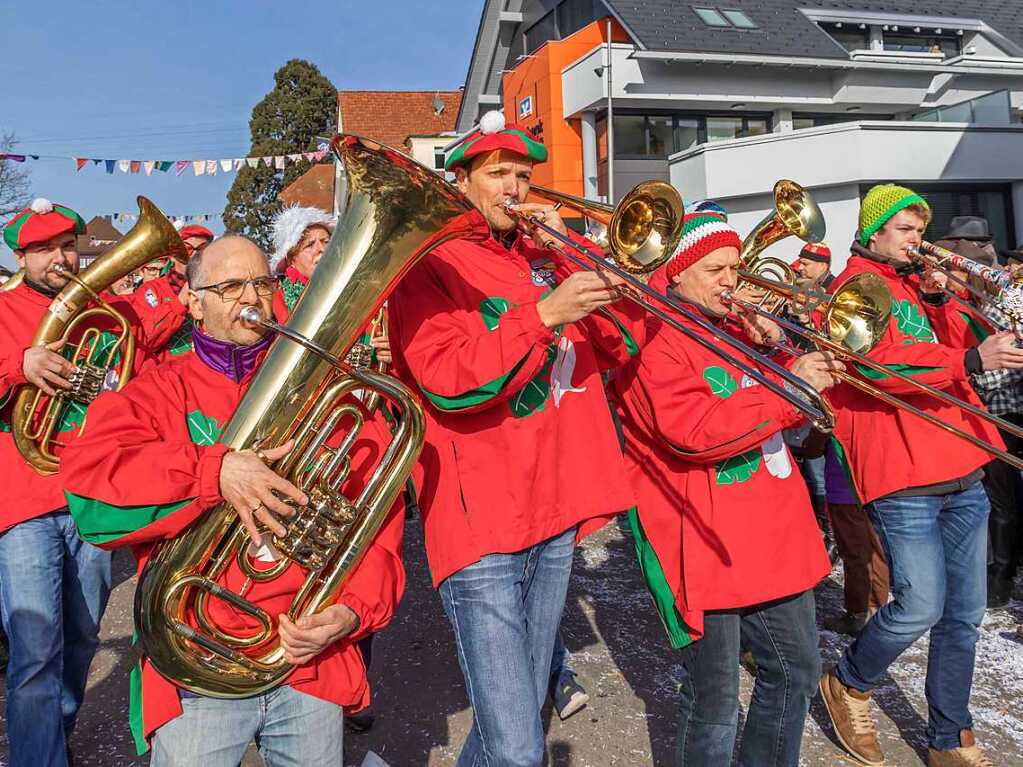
(99, 364)
(396, 212)
(795, 214)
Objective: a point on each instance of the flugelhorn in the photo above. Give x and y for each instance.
(396, 211)
(643, 232)
(854, 321)
(100, 363)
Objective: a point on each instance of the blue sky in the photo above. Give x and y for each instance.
(178, 80)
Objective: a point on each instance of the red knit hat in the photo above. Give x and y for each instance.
(40, 222)
(194, 230)
(702, 233)
(492, 134)
(816, 251)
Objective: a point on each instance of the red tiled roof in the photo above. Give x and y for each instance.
(314, 188)
(392, 116)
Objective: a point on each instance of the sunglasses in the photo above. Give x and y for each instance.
(232, 290)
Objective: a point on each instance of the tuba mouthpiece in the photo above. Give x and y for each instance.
(251, 315)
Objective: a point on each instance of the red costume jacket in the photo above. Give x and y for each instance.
(148, 465)
(723, 519)
(28, 494)
(160, 296)
(520, 444)
(886, 448)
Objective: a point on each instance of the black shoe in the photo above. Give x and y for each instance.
(999, 591)
(361, 722)
(847, 623)
(568, 695)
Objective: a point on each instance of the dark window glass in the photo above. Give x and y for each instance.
(922, 42)
(849, 36)
(630, 135)
(659, 136)
(687, 134)
(541, 32)
(438, 159)
(573, 15)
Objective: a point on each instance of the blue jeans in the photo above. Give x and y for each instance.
(813, 474)
(783, 638)
(291, 729)
(53, 590)
(505, 611)
(936, 548)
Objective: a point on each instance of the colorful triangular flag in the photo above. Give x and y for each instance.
(268, 162)
(110, 165)
(149, 165)
(179, 167)
(80, 162)
(199, 167)
(135, 166)
(279, 162)
(225, 165)
(124, 165)
(211, 167)
(252, 162)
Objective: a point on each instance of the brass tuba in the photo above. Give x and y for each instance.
(396, 212)
(13, 281)
(795, 214)
(36, 416)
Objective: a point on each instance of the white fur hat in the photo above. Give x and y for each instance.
(289, 226)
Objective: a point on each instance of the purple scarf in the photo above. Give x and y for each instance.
(232, 360)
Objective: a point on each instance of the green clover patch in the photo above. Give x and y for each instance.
(721, 382)
(738, 468)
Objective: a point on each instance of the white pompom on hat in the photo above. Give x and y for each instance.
(41, 205)
(492, 122)
(288, 227)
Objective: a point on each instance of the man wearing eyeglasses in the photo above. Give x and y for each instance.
(149, 464)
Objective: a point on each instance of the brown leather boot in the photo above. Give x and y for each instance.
(849, 710)
(967, 755)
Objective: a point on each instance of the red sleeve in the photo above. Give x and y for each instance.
(702, 413)
(280, 309)
(155, 319)
(11, 375)
(458, 362)
(134, 475)
(931, 363)
(376, 586)
(616, 331)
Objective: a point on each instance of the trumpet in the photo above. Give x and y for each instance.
(855, 320)
(643, 231)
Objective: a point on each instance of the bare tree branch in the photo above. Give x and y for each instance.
(14, 189)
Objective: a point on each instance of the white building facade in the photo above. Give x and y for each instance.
(724, 99)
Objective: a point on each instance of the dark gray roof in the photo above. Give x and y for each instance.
(671, 25)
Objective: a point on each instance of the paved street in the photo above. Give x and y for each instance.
(622, 659)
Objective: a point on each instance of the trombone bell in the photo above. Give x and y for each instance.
(858, 314)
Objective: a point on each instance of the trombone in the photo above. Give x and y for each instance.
(795, 214)
(642, 232)
(855, 320)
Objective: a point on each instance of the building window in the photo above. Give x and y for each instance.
(849, 36)
(711, 17)
(573, 15)
(641, 136)
(739, 19)
(924, 41)
(538, 34)
(438, 158)
(809, 120)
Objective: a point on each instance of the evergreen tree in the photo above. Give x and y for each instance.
(302, 106)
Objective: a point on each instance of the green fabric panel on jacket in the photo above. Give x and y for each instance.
(978, 330)
(100, 522)
(908, 370)
(630, 343)
(475, 396)
(136, 723)
(679, 634)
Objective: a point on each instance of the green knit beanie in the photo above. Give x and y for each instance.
(881, 203)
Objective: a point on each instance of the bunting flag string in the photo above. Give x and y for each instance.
(205, 167)
(122, 217)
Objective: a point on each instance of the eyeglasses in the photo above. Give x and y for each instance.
(195, 248)
(232, 290)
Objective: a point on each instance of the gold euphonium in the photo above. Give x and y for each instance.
(13, 281)
(99, 363)
(396, 212)
(795, 214)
